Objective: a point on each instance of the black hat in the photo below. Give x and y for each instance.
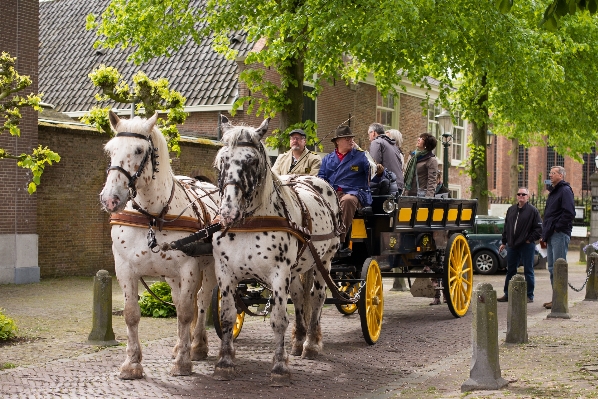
(298, 131)
(342, 131)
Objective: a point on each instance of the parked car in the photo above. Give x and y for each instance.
(484, 242)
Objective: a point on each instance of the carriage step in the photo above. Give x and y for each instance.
(343, 269)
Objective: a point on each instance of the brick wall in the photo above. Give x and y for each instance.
(19, 37)
(74, 234)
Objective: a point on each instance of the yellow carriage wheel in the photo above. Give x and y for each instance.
(371, 301)
(216, 298)
(458, 275)
(351, 289)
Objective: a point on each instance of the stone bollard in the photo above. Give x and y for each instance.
(101, 333)
(485, 369)
(399, 283)
(582, 254)
(560, 291)
(517, 311)
(592, 284)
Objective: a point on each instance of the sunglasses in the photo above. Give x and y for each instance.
(521, 194)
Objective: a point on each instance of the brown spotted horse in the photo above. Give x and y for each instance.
(271, 228)
(138, 195)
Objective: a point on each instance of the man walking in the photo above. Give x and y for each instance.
(558, 219)
(298, 160)
(523, 226)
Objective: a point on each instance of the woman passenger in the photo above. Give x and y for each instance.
(422, 168)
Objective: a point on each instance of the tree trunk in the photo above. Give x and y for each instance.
(479, 176)
(514, 168)
(479, 163)
(293, 113)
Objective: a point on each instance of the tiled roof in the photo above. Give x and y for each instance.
(67, 56)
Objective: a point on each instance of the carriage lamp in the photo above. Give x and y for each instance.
(446, 127)
(596, 162)
(489, 138)
(389, 205)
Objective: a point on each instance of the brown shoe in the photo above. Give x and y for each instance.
(503, 299)
(548, 305)
(436, 301)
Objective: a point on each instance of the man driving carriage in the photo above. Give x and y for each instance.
(347, 169)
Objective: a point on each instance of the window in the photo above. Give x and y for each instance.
(495, 164)
(455, 191)
(589, 166)
(309, 105)
(458, 142)
(523, 166)
(553, 159)
(386, 110)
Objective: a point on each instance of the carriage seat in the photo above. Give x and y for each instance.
(365, 211)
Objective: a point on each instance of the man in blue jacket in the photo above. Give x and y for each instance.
(347, 169)
(558, 219)
(523, 227)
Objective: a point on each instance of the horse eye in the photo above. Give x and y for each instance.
(138, 151)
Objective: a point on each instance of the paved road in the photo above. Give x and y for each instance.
(415, 338)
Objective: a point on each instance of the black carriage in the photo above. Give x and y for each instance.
(395, 237)
(398, 237)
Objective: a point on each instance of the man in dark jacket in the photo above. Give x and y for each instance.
(523, 226)
(386, 154)
(558, 219)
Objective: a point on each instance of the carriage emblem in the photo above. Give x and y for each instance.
(392, 242)
(425, 240)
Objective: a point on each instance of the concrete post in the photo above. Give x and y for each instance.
(517, 311)
(485, 369)
(582, 254)
(560, 291)
(592, 285)
(101, 332)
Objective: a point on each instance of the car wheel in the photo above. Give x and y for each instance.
(485, 262)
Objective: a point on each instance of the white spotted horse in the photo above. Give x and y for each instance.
(268, 224)
(140, 197)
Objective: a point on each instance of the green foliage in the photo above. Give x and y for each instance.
(281, 139)
(555, 10)
(148, 96)
(476, 162)
(8, 328)
(540, 186)
(150, 306)
(10, 107)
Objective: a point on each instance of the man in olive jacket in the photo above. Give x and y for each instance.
(298, 160)
(523, 226)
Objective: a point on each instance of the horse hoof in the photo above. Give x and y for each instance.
(199, 355)
(131, 372)
(297, 349)
(309, 354)
(223, 374)
(186, 369)
(280, 380)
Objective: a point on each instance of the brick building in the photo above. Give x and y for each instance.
(73, 231)
(18, 225)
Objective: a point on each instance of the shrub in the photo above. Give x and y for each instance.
(8, 328)
(150, 306)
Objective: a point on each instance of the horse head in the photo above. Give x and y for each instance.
(132, 160)
(242, 169)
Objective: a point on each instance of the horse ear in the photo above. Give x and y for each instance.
(225, 123)
(152, 121)
(224, 120)
(114, 119)
(263, 128)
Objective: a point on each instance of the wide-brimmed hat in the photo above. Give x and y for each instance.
(341, 132)
(298, 131)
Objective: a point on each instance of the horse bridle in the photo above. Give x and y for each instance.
(150, 154)
(245, 194)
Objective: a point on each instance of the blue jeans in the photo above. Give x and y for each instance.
(524, 254)
(557, 247)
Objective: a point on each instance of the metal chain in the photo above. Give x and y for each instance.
(361, 286)
(587, 277)
(268, 306)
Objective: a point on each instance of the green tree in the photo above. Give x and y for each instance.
(321, 40)
(529, 83)
(11, 104)
(147, 95)
(555, 10)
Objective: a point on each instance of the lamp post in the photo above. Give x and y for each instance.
(446, 127)
(489, 138)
